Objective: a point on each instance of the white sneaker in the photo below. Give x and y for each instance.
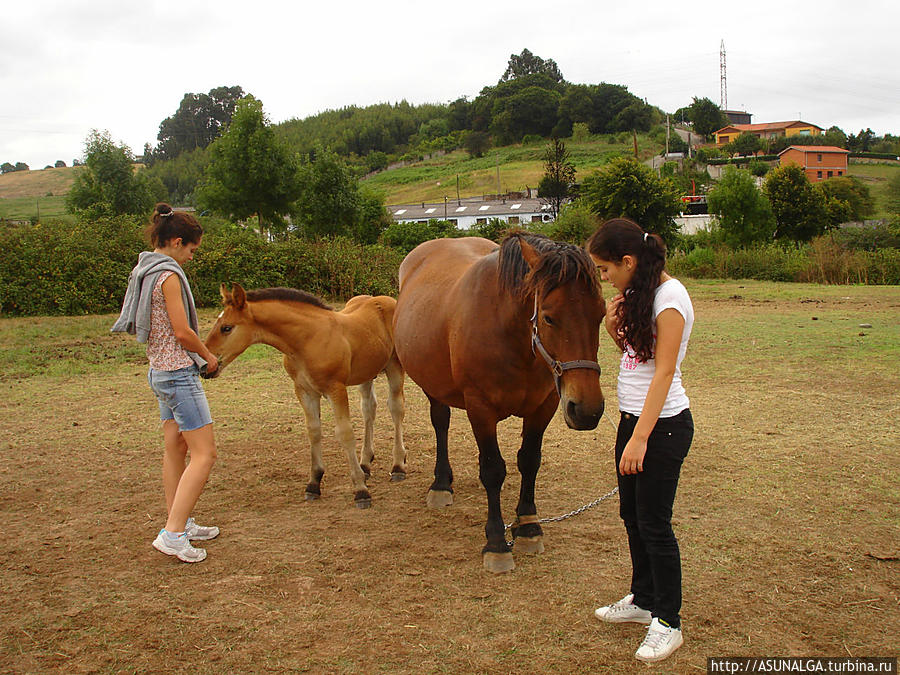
(623, 611)
(197, 532)
(179, 546)
(660, 642)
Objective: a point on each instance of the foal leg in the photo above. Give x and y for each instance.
(344, 432)
(395, 377)
(368, 403)
(312, 409)
(441, 491)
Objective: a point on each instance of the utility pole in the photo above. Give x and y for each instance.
(667, 135)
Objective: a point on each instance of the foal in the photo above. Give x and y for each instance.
(325, 352)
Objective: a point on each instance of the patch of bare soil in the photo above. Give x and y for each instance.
(787, 518)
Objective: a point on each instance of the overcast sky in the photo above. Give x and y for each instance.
(124, 65)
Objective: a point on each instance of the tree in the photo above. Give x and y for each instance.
(477, 143)
(527, 63)
(798, 208)
(22, 166)
(625, 187)
(59, 164)
(743, 212)
(250, 172)
(706, 116)
(6, 167)
(199, 120)
(559, 176)
(851, 191)
(530, 111)
(329, 201)
(107, 185)
(746, 144)
(861, 141)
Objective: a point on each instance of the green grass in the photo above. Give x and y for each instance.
(519, 166)
(24, 208)
(875, 176)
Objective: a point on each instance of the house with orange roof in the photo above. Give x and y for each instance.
(819, 162)
(767, 130)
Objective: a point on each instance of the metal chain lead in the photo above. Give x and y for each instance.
(580, 509)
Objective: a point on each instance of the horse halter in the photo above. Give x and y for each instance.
(556, 367)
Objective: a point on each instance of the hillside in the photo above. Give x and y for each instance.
(518, 166)
(25, 193)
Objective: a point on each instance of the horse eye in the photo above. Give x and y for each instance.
(548, 320)
(227, 329)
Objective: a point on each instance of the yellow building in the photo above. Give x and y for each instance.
(767, 130)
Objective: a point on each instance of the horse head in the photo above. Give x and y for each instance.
(568, 310)
(233, 330)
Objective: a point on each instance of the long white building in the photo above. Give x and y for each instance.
(464, 213)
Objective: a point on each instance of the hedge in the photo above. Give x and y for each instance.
(57, 268)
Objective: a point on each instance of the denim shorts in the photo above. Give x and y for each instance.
(181, 397)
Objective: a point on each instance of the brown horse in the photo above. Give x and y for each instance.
(324, 353)
(499, 332)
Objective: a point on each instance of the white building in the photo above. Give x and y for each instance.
(464, 213)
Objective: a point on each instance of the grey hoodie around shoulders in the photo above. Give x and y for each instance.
(135, 316)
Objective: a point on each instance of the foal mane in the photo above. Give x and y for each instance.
(560, 263)
(288, 295)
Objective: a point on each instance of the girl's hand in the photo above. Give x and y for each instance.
(212, 364)
(633, 457)
(612, 319)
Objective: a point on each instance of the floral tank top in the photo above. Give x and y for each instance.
(163, 349)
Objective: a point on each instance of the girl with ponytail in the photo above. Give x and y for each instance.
(650, 321)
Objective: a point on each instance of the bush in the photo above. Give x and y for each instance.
(406, 236)
(55, 268)
(575, 224)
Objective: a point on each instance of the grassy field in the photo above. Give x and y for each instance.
(876, 177)
(519, 167)
(787, 513)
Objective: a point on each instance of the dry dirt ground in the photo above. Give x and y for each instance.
(788, 517)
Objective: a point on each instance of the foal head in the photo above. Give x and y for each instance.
(233, 330)
(561, 282)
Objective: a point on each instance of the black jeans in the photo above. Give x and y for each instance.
(645, 504)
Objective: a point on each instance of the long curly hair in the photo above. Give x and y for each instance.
(614, 240)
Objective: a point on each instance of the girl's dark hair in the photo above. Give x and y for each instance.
(614, 240)
(166, 225)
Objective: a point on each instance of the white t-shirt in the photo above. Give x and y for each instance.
(635, 376)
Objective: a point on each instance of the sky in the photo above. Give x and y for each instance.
(123, 66)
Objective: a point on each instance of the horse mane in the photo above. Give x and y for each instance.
(560, 263)
(288, 295)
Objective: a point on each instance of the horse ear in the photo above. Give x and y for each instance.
(238, 296)
(226, 296)
(529, 253)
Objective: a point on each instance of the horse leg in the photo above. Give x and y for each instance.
(527, 531)
(441, 491)
(395, 377)
(344, 432)
(368, 403)
(496, 555)
(311, 402)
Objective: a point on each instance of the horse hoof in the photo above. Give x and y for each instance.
(362, 499)
(498, 562)
(437, 499)
(311, 496)
(397, 476)
(529, 545)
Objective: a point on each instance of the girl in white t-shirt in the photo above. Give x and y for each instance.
(650, 320)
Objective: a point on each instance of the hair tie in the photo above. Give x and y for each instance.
(645, 237)
(166, 215)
